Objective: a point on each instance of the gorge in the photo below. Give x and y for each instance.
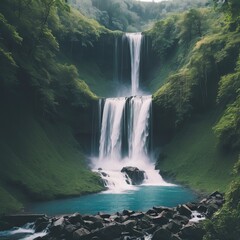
(92, 110)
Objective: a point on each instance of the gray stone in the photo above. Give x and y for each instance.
(184, 210)
(81, 234)
(192, 231)
(129, 224)
(175, 237)
(127, 212)
(174, 226)
(161, 234)
(75, 218)
(180, 218)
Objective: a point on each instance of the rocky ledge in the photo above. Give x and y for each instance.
(157, 223)
(133, 173)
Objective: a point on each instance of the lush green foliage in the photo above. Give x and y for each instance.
(131, 15)
(207, 69)
(226, 222)
(41, 159)
(193, 157)
(29, 50)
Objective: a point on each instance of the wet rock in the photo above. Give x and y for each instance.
(160, 209)
(75, 218)
(137, 215)
(92, 218)
(57, 226)
(136, 175)
(184, 210)
(192, 231)
(212, 208)
(90, 225)
(192, 206)
(144, 224)
(160, 220)
(69, 229)
(202, 208)
(41, 224)
(127, 212)
(216, 194)
(174, 226)
(180, 218)
(104, 215)
(110, 232)
(175, 237)
(151, 212)
(81, 234)
(129, 224)
(162, 234)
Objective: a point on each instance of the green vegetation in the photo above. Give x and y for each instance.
(193, 157)
(226, 222)
(44, 102)
(197, 97)
(39, 159)
(131, 15)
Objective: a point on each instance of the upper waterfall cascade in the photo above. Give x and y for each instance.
(135, 40)
(125, 132)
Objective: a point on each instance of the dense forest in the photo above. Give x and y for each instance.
(55, 63)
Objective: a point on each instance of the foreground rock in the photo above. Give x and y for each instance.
(161, 223)
(136, 175)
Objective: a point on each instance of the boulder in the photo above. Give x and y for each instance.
(161, 233)
(104, 215)
(174, 226)
(137, 215)
(136, 175)
(192, 231)
(181, 219)
(41, 224)
(202, 208)
(212, 208)
(81, 234)
(57, 226)
(175, 237)
(69, 229)
(110, 232)
(184, 210)
(192, 206)
(127, 212)
(90, 225)
(160, 220)
(75, 218)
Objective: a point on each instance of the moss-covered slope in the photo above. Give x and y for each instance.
(39, 160)
(194, 158)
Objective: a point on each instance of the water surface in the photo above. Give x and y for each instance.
(142, 199)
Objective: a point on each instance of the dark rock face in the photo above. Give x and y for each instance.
(162, 234)
(161, 223)
(136, 175)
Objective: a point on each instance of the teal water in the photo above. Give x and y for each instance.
(142, 199)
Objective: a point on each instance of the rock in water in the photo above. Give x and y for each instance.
(136, 175)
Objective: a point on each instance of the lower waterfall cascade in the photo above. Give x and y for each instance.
(125, 134)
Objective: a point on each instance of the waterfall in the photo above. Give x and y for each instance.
(135, 40)
(125, 132)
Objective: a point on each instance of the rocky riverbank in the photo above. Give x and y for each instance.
(160, 222)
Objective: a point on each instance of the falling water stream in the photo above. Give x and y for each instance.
(126, 132)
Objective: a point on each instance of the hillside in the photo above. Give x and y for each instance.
(196, 83)
(45, 102)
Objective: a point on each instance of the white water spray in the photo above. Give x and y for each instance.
(125, 132)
